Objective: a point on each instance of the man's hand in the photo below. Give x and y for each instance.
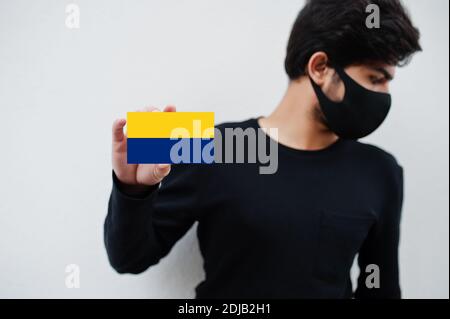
(139, 175)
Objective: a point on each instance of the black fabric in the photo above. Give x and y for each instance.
(359, 114)
(294, 234)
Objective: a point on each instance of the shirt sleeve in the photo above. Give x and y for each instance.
(140, 230)
(381, 247)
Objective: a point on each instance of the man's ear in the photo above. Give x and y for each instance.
(318, 67)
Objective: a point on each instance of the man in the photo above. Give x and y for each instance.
(293, 234)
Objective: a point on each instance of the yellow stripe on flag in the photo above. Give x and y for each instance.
(170, 125)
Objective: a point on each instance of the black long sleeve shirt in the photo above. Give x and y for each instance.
(293, 234)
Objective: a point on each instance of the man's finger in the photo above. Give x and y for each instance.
(160, 171)
(117, 130)
(150, 109)
(170, 108)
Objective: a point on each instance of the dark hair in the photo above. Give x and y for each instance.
(338, 28)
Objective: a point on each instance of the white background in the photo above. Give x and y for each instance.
(60, 90)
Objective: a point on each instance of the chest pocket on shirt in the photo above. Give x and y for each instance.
(339, 240)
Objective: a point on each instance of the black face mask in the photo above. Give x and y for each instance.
(359, 114)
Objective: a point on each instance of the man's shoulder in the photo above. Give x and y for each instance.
(375, 155)
(250, 123)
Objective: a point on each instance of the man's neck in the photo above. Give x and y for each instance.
(294, 117)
